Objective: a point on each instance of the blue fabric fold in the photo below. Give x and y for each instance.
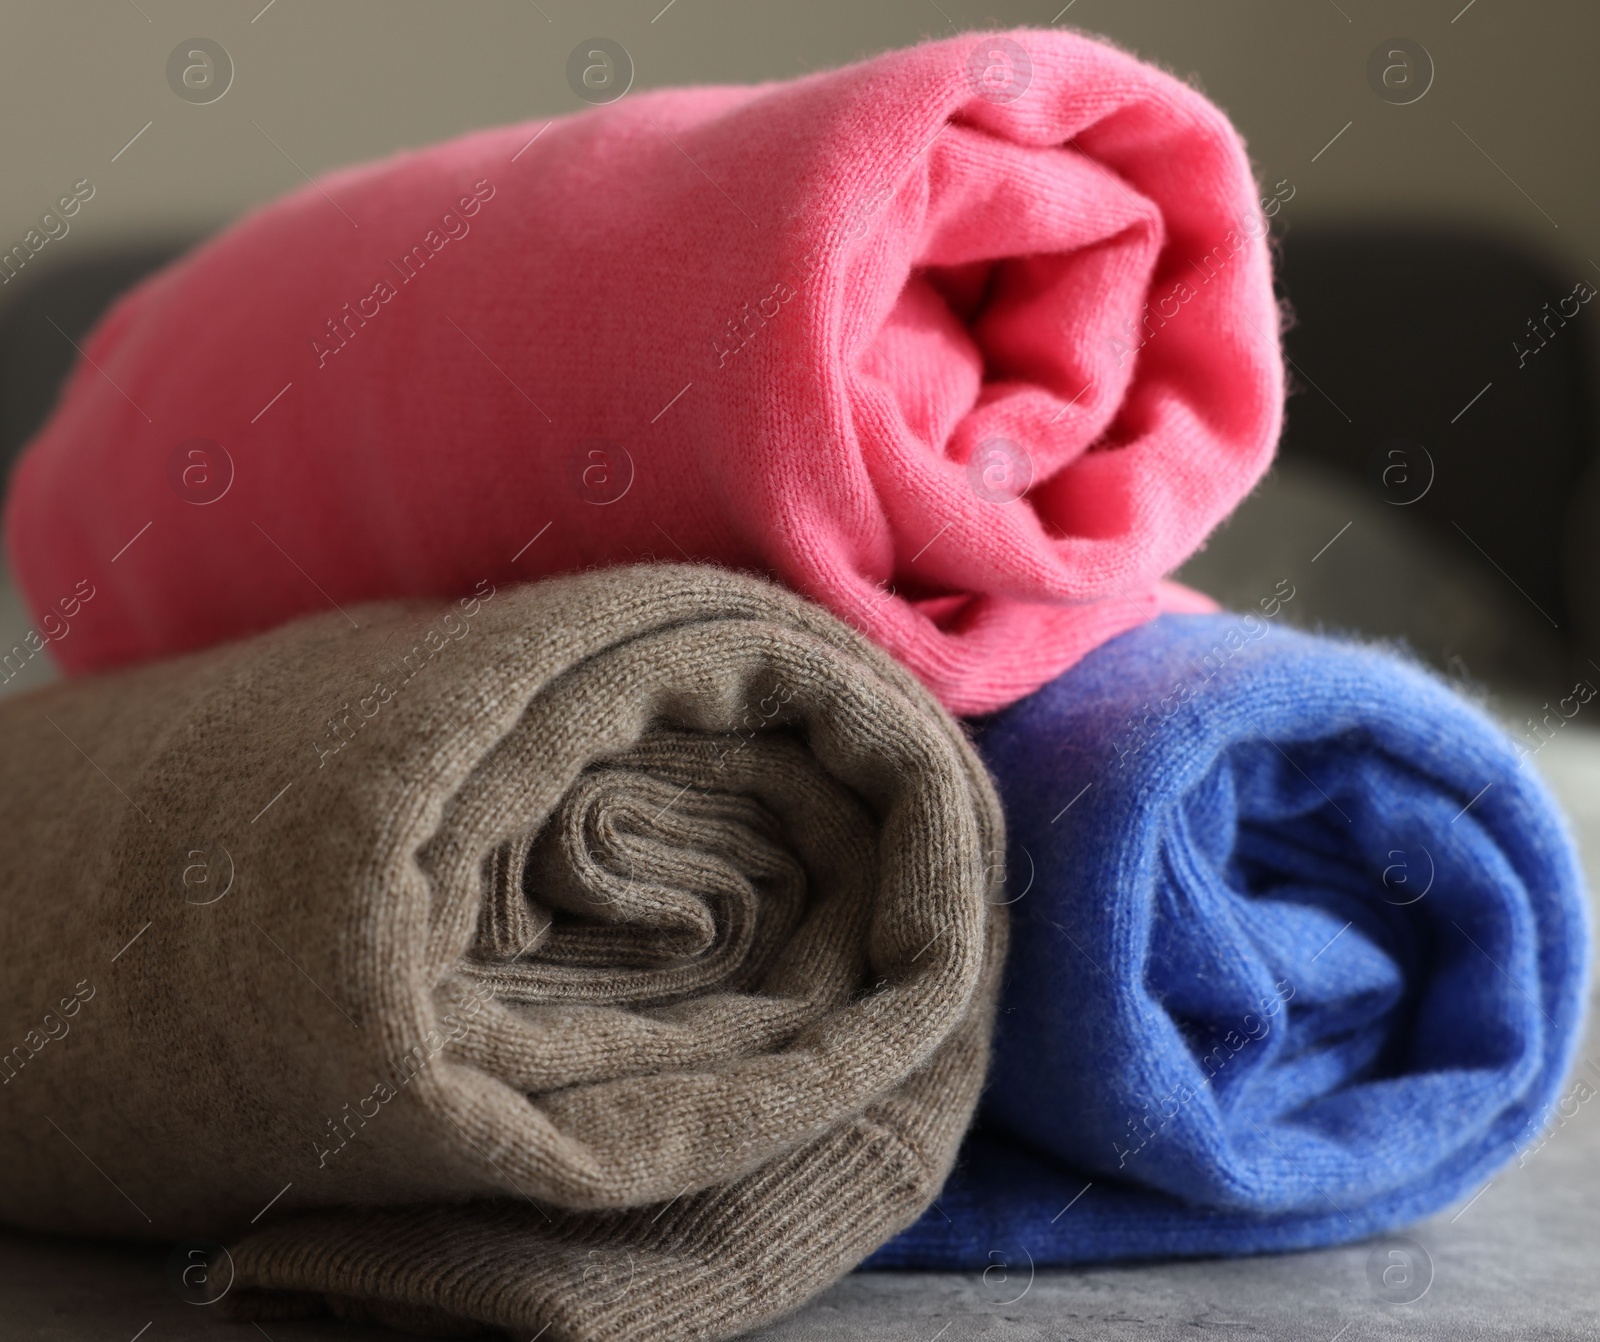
(1299, 954)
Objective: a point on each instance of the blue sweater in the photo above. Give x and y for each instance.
(1300, 953)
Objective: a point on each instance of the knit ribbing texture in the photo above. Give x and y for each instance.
(614, 956)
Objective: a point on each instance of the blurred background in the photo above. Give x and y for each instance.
(1427, 167)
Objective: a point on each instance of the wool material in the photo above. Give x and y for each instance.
(611, 957)
(971, 343)
(1301, 955)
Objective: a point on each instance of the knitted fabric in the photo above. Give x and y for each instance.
(971, 343)
(1301, 950)
(612, 955)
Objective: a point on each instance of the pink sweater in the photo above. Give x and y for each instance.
(972, 343)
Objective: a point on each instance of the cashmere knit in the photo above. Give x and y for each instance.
(1303, 956)
(971, 343)
(618, 957)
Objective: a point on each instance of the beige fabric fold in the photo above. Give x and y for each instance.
(613, 957)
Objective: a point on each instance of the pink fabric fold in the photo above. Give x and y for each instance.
(972, 343)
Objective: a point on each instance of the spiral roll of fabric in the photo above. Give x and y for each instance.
(1301, 953)
(614, 956)
(972, 343)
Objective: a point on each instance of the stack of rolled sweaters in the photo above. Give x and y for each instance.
(587, 643)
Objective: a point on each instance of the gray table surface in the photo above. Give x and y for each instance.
(1522, 1259)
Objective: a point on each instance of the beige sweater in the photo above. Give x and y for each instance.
(614, 956)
